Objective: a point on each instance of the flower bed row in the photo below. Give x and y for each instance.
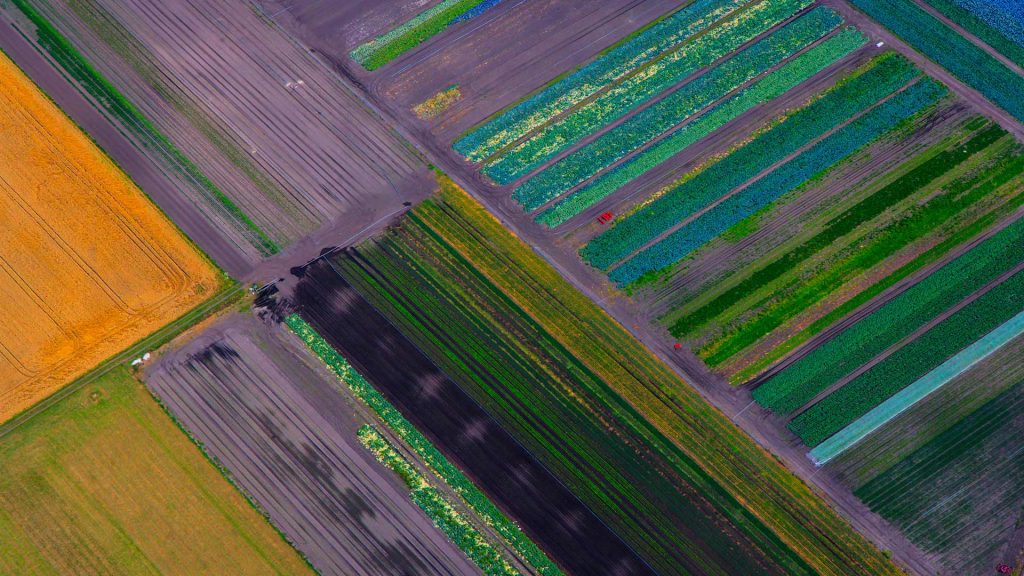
(776, 83)
(910, 362)
(626, 96)
(436, 506)
(614, 63)
(437, 462)
(964, 59)
(810, 164)
(804, 379)
(675, 108)
(864, 87)
(411, 33)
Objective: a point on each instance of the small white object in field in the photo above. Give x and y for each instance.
(146, 356)
(880, 44)
(137, 361)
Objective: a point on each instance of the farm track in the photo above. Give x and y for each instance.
(287, 437)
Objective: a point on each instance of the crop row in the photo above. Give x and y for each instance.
(437, 462)
(384, 48)
(436, 506)
(964, 59)
(910, 362)
(883, 241)
(953, 495)
(626, 96)
(675, 108)
(771, 86)
(991, 25)
(808, 165)
(610, 66)
(867, 85)
(921, 388)
(801, 381)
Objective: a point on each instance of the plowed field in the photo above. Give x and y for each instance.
(87, 264)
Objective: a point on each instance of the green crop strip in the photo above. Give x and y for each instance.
(105, 95)
(855, 93)
(910, 362)
(397, 423)
(979, 28)
(883, 243)
(896, 319)
(408, 35)
(436, 506)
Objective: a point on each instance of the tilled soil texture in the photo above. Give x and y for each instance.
(284, 140)
(547, 511)
(272, 416)
(87, 264)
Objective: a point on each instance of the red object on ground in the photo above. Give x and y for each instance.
(1003, 569)
(678, 346)
(605, 217)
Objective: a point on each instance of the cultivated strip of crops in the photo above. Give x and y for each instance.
(808, 165)
(433, 458)
(998, 24)
(436, 506)
(675, 108)
(872, 82)
(612, 65)
(774, 84)
(876, 242)
(904, 399)
(961, 493)
(384, 48)
(542, 357)
(703, 50)
(964, 59)
(799, 382)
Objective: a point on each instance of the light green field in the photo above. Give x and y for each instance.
(103, 482)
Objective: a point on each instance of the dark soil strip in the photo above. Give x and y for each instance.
(548, 512)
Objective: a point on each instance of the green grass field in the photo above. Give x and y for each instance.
(104, 482)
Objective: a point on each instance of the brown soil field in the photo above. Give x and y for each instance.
(103, 482)
(285, 430)
(89, 265)
(272, 127)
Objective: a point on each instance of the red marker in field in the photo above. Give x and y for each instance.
(678, 346)
(604, 218)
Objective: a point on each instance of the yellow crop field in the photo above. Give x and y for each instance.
(88, 265)
(103, 482)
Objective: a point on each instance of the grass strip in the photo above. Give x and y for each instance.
(675, 108)
(397, 423)
(776, 83)
(384, 48)
(870, 83)
(436, 506)
(809, 165)
(115, 104)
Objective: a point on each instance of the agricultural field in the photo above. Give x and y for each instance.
(273, 151)
(493, 317)
(80, 285)
(252, 398)
(104, 482)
